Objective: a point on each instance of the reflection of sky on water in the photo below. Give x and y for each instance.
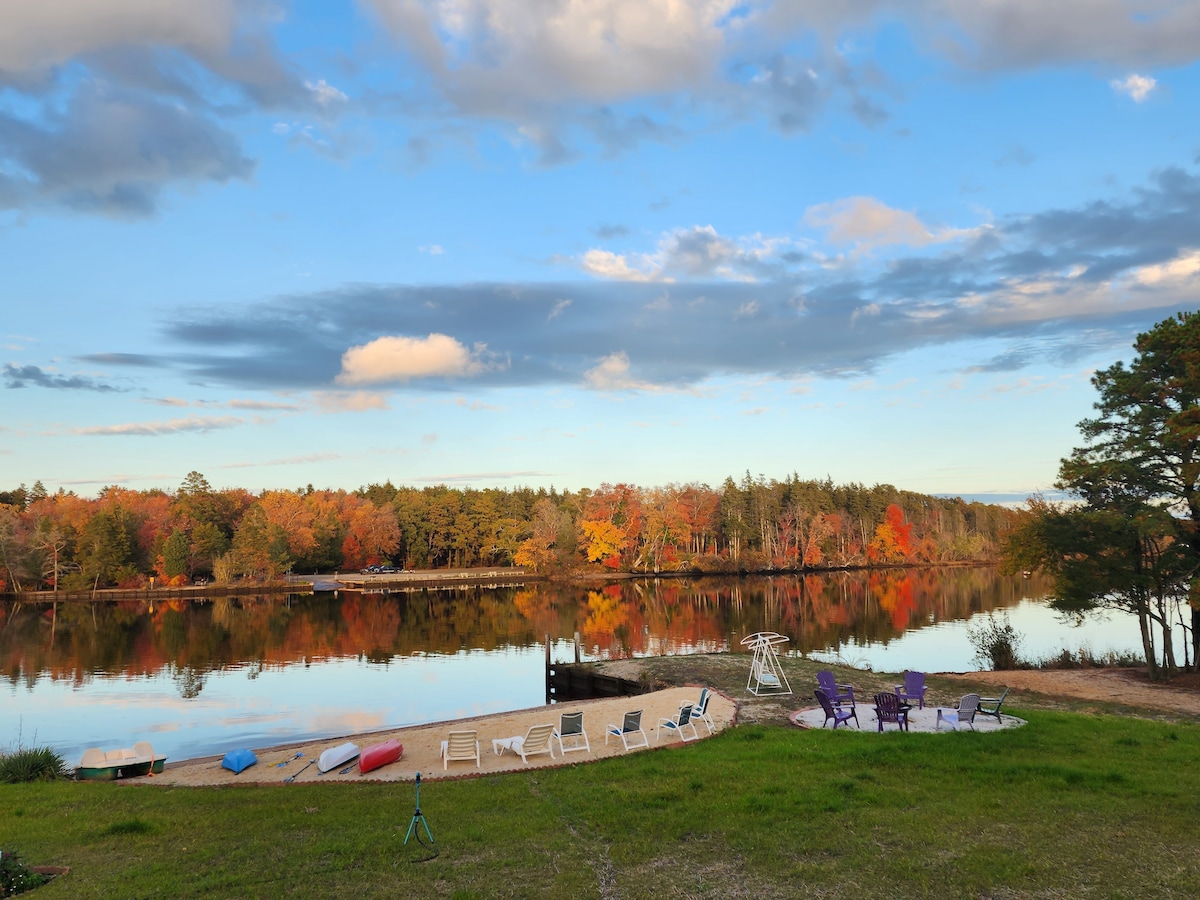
(946, 647)
(279, 704)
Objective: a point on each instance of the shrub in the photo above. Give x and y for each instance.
(1084, 658)
(31, 764)
(996, 644)
(15, 877)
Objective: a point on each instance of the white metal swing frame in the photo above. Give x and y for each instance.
(766, 675)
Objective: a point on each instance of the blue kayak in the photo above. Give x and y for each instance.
(238, 760)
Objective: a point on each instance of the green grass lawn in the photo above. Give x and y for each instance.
(1071, 805)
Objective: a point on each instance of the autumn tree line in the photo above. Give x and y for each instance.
(125, 537)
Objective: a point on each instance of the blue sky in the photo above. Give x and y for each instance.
(505, 242)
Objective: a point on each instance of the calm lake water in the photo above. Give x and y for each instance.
(201, 678)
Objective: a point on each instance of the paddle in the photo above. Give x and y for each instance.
(280, 765)
(292, 778)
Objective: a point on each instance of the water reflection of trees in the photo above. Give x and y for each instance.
(630, 617)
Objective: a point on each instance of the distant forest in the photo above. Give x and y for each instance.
(124, 537)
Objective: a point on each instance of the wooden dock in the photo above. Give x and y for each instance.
(435, 578)
(581, 681)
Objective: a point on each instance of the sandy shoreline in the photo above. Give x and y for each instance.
(422, 744)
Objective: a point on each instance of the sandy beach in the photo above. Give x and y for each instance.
(422, 744)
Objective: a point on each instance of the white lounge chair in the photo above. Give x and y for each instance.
(629, 731)
(460, 746)
(570, 734)
(700, 710)
(536, 740)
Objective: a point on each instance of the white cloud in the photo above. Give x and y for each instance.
(269, 405)
(168, 401)
(325, 93)
(1136, 86)
(173, 426)
(695, 252)
(869, 310)
(493, 54)
(1023, 34)
(559, 308)
(42, 35)
(432, 249)
(1181, 269)
(867, 223)
(612, 374)
(605, 264)
(399, 358)
(255, 405)
(349, 401)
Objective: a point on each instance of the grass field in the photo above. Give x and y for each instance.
(1071, 805)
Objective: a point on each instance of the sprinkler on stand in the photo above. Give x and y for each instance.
(418, 817)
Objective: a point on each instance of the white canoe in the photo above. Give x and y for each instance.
(337, 756)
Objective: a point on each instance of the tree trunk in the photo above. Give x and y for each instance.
(1147, 641)
(1168, 643)
(1195, 637)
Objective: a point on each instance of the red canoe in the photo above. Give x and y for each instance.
(379, 755)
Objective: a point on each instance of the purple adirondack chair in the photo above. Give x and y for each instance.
(888, 708)
(837, 713)
(912, 689)
(837, 694)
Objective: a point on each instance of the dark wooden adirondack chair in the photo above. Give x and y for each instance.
(839, 714)
(888, 708)
(912, 689)
(990, 706)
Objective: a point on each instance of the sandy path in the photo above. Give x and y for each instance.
(422, 744)
(1127, 686)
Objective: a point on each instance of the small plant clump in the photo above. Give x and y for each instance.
(27, 764)
(997, 644)
(16, 877)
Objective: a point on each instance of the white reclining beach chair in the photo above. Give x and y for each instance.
(460, 746)
(536, 740)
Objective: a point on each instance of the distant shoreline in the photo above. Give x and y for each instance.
(427, 578)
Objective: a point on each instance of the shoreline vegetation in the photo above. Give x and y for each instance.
(1094, 797)
(134, 540)
(429, 578)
